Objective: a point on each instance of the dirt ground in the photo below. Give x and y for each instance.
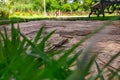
(106, 43)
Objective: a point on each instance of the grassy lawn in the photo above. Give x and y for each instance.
(15, 19)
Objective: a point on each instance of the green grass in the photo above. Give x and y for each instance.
(24, 59)
(73, 18)
(21, 19)
(87, 18)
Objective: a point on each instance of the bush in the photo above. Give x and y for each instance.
(75, 6)
(66, 8)
(4, 10)
(70, 7)
(4, 14)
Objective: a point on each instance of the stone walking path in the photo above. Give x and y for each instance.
(106, 43)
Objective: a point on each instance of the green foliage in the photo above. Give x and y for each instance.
(75, 6)
(51, 5)
(70, 7)
(66, 8)
(38, 5)
(4, 9)
(86, 4)
(22, 7)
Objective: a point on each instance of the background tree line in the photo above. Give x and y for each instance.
(37, 5)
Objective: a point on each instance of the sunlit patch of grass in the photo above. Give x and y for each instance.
(24, 17)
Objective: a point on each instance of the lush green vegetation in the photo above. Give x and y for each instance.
(36, 7)
(51, 5)
(24, 59)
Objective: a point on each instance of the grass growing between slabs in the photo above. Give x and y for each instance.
(24, 59)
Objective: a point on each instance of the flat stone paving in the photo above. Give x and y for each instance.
(106, 43)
